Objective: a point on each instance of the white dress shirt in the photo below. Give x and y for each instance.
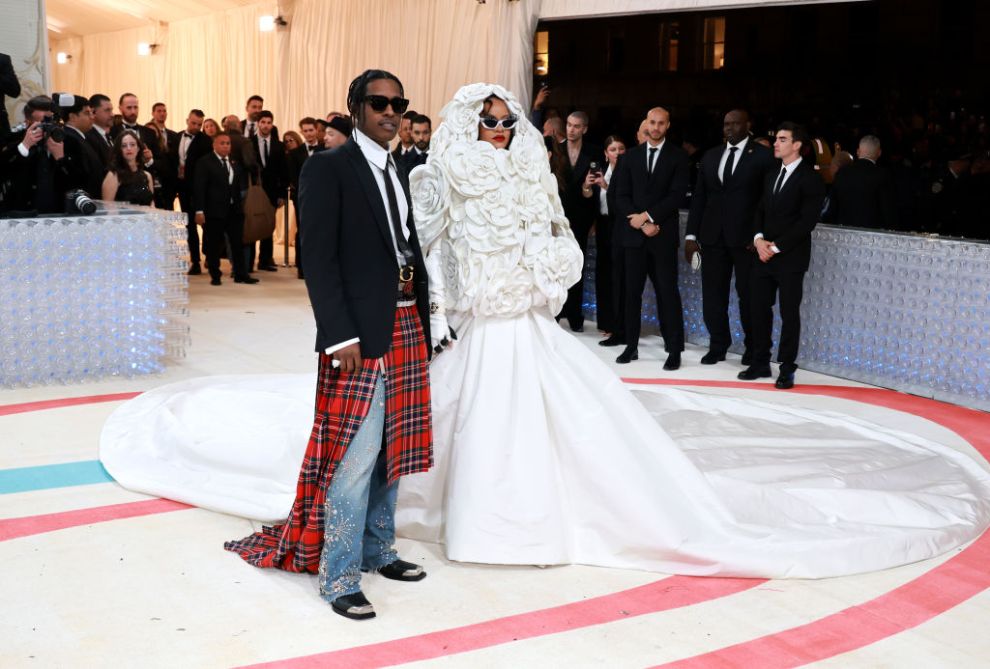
(741, 146)
(603, 193)
(788, 171)
(656, 161)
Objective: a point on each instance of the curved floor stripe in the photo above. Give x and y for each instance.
(15, 528)
(45, 477)
(910, 605)
(665, 594)
(9, 409)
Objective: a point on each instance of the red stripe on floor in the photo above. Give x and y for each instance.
(14, 528)
(663, 595)
(910, 605)
(9, 409)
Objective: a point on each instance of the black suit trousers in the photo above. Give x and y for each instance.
(764, 286)
(604, 291)
(619, 288)
(719, 263)
(217, 234)
(192, 230)
(637, 262)
(573, 309)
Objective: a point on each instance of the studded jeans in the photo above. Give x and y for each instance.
(359, 529)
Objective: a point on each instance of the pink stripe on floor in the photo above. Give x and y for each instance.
(15, 528)
(10, 409)
(663, 595)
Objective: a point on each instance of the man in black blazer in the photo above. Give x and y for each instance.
(186, 149)
(421, 132)
(788, 212)
(366, 274)
(249, 126)
(218, 187)
(98, 136)
(311, 144)
(85, 167)
(272, 173)
(862, 194)
(580, 210)
(650, 181)
(167, 171)
(128, 107)
(728, 188)
(9, 87)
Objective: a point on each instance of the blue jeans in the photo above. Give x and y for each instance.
(359, 521)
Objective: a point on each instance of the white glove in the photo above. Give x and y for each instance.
(439, 332)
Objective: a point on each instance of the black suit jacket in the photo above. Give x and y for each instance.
(274, 175)
(297, 158)
(199, 146)
(863, 197)
(244, 130)
(787, 218)
(99, 145)
(351, 271)
(580, 210)
(723, 213)
(86, 170)
(148, 136)
(9, 87)
(23, 176)
(411, 160)
(213, 194)
(659, 194)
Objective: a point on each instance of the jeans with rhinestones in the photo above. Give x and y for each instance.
(359, 526)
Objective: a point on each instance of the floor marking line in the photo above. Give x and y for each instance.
(45, 477)
(42, 405)
(16, 528)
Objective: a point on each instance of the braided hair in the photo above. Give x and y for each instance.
(359, 88)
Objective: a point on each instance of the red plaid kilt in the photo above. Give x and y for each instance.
(342, 402)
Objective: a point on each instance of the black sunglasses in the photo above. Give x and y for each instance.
(507, 123)
(380, 102)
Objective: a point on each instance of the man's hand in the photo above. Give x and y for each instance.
(541, 97)
(57, 149)
(33, 135)
(651, 229)
(279, 202)
(200, 218)
(349, 357)
(763, 248)
(638, 220)
(690, 248)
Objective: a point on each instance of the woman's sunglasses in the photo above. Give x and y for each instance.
(507, 123)
(380, 102)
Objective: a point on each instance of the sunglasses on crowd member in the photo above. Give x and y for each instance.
(380, 102)
(507, 123)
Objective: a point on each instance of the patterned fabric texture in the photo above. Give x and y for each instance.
(342, 402)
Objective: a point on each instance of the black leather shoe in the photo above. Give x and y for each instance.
(747, 359)
(628, 356)
(300, 275)
(194, 270)
(785, 381)
(246, 279)
(612, 341)
(268, 268)
(215, 281)
(673, 362)
(712, 357)
(577, 328)
(754, 372)
(355, 607)
(400, 570)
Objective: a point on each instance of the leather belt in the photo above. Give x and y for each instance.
(407, 290)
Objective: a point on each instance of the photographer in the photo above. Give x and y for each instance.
(33, 165)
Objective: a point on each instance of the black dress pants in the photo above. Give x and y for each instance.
(619, 288)
(663, 257)
(765, 285)
(719, 263)
(192, 230)
(604, 292)
(217, 234)
(573, 309)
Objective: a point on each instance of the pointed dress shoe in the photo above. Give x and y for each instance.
(355, 607)
(628, 356)
(215, 281)
(246, 279)
(400, 570)
(785, 381)
(612, 341)
(712, 357)
(673, 362)
(754, 372)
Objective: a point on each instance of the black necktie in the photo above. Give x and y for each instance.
(393, 206)
(727, 170)
(653, 157)
(226, 168)
(780, 180)
(264, 153)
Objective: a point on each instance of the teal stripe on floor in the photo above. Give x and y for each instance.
(26, 479)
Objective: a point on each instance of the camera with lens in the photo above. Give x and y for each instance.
(53, 124)
(79, 202)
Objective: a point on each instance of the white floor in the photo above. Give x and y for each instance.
(157, 590)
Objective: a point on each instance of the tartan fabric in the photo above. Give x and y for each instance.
(342, 402)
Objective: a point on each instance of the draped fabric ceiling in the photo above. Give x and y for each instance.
(210, 54)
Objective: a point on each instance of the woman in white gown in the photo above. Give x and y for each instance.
(542, 455)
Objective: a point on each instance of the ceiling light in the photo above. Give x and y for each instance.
(145, 49)
(62, 58)
(267, 24)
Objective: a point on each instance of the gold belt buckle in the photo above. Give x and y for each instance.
(406, 273)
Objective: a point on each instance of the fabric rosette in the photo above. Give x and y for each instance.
(430, 199)
(507, 288)
(474, 168)
(556, 269)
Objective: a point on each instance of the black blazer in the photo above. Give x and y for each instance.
(580, 210)
(863, 197)
(244, 130)
(24, 174)
(787, 218)
(351, 272)
(99, 145)
(274, 175)
(147, 135)
(297, 158)
(9, 87)
(411, 160)
(726, 211)
(86, 170)
(659, 194)
(199, 146)
(213, 194)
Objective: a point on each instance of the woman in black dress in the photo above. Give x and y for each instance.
(127, 180)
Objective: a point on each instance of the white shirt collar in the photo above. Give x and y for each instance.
(793, 166)
(658, 146)
(373, 152)
(221, 158)
(100, 130)
(78, 131)
(741, 145)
